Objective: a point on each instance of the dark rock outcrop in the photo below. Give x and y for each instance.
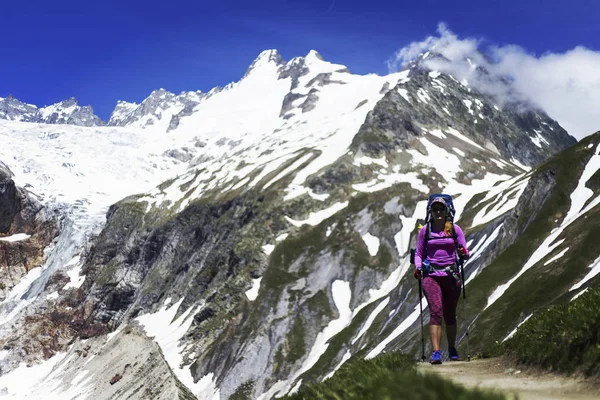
(21, 214)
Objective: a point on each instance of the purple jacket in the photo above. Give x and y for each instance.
(440, 249)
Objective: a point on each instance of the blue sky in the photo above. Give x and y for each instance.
(101, 52)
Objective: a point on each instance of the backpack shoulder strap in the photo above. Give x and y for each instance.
(454, 236)
(427, 236)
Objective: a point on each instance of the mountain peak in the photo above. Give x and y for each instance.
(160, 94)
(70, 102)
(314, 54)
(265, 57)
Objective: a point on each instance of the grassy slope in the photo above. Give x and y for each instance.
(388, 376)
(563, 338)
(541, 285)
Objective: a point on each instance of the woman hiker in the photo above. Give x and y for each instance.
(435, 262)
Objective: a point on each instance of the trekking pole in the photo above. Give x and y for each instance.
(422, 333)
(462, 273)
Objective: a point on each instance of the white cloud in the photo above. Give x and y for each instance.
(565, 85)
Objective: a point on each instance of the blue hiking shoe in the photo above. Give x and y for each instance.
(436, 358)
(453, 354)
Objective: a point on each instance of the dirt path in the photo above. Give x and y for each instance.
(496, 374)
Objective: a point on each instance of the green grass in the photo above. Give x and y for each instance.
(564, 338)
(296, 345)
(388, 376)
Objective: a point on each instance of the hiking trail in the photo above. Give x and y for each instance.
(497, 374)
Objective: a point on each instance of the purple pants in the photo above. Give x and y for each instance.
(442, 294)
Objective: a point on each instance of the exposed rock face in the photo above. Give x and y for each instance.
(161, 107)
(432, 100)
(27, 227)
(9, 204)
(175, 258)
(295, 69)
(15, 110)
(71, 113)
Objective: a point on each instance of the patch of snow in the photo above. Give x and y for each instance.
(315, 218)
(167, 333)
(268, 248)
(296, 388)
(15, 238)
(423, 96)
(556, 257)
(436, 158)
(469, 103)
(281, 237)
(402, 238)
(438, 133)
(52, 296)
(320, 197)
(434, 74)
(512, 333)
(404, 93)
(582, 194)
(580, 293)
(478, 250)
(537, 140)
(345, 358)
(293, 167)
(371, 318)
(502, 205)
(74, 274)
(18, 291)
(372, 243)
(459, 152)
(499, 163)
(463, 137)
(520, 165)
(403, 76)
(41, 382)
(595, 270)
(384, 181)
(111, 335)
(404, 325)
(364, 160)
(252, 293)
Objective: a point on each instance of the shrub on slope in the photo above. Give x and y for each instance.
(388, 376)
(563, 338)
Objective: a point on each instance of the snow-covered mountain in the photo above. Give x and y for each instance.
(159, 110)
(264, 241)
(65, 112)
